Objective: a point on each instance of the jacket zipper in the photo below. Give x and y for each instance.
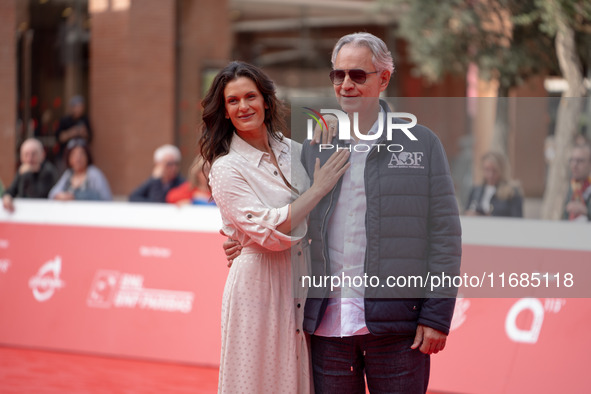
(322, 232)
(366, 205)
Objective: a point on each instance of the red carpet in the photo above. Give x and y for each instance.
(39, 372)
(43, 372)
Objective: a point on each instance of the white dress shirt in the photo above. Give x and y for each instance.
(347, 240)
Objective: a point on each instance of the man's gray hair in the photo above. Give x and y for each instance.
(381, 59)
(166, 150)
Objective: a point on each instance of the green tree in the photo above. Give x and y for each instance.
(562, 19)
(447, 35)
(507, 40)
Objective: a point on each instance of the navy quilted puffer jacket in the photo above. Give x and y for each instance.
(413, 229)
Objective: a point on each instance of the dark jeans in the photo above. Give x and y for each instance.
(390, 365)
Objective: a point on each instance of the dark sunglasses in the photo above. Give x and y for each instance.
(358, 76)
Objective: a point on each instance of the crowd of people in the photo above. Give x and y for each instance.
(74, 176)
(496, 195)
(499, 195)
(81, 180)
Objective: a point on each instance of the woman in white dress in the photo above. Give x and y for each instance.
(264, 198)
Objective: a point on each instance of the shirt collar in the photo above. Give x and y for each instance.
(254, 155)
(279, 147)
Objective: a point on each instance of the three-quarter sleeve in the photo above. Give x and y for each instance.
(240, 206)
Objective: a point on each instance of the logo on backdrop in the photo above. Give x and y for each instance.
(114, 289)
(102, 289)
(537, 310)
(155, 251)
(47, 280)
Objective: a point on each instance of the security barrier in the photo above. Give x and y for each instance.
(146, 281)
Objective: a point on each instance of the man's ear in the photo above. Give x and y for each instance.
(384, 80)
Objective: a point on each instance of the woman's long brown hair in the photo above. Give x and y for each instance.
(216, 130)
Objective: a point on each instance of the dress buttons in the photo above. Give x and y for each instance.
(249, 216)
(275, 172)
(299, 305)
(298, 331)
(299, 253)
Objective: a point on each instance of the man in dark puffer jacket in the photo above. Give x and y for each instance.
(392, 214)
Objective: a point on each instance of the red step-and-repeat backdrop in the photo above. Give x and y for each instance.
(113, 278)
(146, 281)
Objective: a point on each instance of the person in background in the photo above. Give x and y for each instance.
(195, 190)
(498, 195)
(578, 198)
(165, 176)
(35, 176)
(81, 180)
(75, 125)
